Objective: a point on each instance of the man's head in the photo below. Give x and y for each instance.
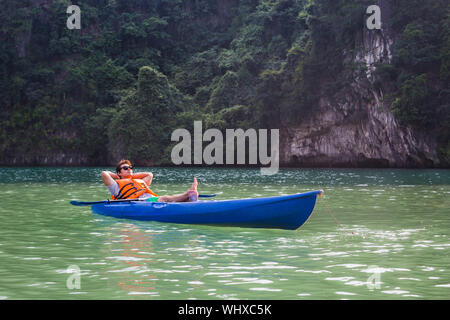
(124, 169)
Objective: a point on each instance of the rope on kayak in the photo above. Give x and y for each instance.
(335, 219)
(332, 215)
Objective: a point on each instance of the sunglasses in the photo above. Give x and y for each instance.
(126, 168)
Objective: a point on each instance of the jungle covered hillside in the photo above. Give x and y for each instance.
(138, 69)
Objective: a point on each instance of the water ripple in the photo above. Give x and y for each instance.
(387, 244)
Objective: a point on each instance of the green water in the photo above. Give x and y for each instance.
(376, 234)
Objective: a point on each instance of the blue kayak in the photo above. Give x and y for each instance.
(280, 212)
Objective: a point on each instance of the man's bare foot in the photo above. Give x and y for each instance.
(192, 191)
(194, 185)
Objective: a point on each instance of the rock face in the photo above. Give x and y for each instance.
(355, 132)
(355, 127)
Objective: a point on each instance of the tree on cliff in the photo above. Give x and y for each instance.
(145, 118)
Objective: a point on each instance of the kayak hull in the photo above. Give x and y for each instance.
(281, 212)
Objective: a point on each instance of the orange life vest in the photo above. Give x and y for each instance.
(132, 189)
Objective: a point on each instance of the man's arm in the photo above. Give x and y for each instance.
(146, 176)
(108, 178)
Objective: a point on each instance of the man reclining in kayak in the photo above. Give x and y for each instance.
(125, 185)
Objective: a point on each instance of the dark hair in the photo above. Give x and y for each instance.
(120, 163)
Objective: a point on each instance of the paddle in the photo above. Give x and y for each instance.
(88, 203)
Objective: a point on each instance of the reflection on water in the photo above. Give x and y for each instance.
(383, 236)
(135, 253)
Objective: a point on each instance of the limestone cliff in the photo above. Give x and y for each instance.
(309, 68)
(355, 127)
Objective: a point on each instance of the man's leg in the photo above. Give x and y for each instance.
(183, 197)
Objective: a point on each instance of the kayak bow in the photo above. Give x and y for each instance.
(281, 212)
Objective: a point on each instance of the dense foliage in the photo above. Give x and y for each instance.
(138, 69)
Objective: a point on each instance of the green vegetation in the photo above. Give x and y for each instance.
(420, 68)
(138, 69)
(145, 118)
